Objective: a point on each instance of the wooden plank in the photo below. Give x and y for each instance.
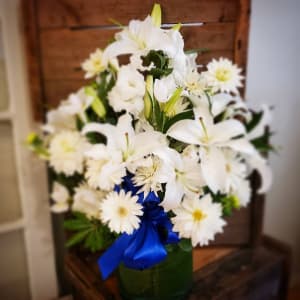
(74, 13)
(29, 28)
(238, 230)
(63, 50)
(223, 274)
(57, 90)
(241, 36)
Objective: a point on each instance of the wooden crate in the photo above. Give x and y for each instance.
(229, 274)
(60, 34)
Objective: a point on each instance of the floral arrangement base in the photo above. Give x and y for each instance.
(169, 280)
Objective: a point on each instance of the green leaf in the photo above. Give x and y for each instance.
(77, 224)
(185, 245)
(172, 101)
(189, 114)
(97, 104)
(77, 238)
(148, 97)
(160, 61)
(256, 117)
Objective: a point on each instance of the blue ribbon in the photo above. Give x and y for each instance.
(145, 247)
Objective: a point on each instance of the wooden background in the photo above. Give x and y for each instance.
(60, 34)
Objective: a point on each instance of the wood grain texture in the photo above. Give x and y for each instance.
(223, 274)
(74, 13)
(30, 32)
(242, 36)
(63, 50)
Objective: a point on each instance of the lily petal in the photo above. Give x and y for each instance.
(187, 131)
(213, 168)
(173, 195)
(261, 126)
(241, 145)
(260, 164)
(227, 130)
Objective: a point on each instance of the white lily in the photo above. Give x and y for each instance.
(260, 128)
(76, 104)
(258, 163)
(212, 138)
(185, 177)
(139, 37)
(164, 88)
(123, 138)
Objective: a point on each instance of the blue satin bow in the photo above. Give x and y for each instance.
(145, 247)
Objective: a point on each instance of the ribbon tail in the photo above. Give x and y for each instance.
(113, 256)
(146, 249)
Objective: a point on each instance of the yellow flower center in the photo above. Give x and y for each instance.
(198, 215)
(66, 146)
(228, 168)
(122, 211)
(223, 74)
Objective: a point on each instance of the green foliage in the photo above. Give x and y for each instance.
(228, 202)
(188, 114)
(160, 62)
(256, 117)
(69, 182)
(89, 232)
(185, 245)
(262, 143)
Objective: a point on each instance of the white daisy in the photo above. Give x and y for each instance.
(60, 195)
(86, 200)
(94, 64)
(222, 75)
(66, 152)
(121, 212)
(198, 219)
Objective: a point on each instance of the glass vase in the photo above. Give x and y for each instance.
(169, 280)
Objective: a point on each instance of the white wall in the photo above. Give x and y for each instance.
(274, 78)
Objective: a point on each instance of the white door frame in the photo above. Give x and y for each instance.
(32, 177)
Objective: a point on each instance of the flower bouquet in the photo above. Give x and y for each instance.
(150, 155)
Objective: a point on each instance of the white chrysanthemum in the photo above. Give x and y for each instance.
(121, 212)
(222, 75)
(198, 219)
(104, 167)
(66, 152)
(60, 195)
(149, 174)
(128, 92)
(94, 64)
(87, 200)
